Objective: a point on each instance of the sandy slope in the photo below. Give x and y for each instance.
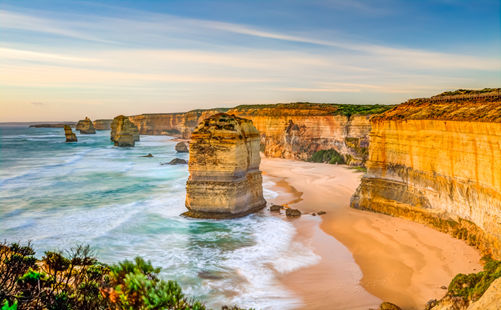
(402, 262)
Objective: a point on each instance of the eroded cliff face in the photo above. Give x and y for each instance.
(298, 132)
(172, 124)
(102, 124)
(437, 161)
(293, 131)
(224, 180)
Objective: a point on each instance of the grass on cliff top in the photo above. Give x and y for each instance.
(335, 109)
(468, 92)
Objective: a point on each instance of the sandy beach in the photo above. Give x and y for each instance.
(366, 257)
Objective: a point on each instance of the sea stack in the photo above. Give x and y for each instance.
(224, 181)
(70, 136)
(85, 126)
(123, 132)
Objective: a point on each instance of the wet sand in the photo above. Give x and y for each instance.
(366, 257)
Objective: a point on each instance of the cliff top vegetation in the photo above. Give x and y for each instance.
(460, 105)
(309, 108)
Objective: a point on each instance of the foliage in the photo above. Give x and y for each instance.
(468, 92)
(472, 286)
(336, 109)
(78, 281)
(327, 156)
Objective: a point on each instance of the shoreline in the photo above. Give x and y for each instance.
(399, 261)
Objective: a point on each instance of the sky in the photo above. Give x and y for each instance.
(63, 60)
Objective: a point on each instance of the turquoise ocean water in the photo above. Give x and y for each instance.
(59, 194)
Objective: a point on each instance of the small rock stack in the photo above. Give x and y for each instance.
(85, 126)
(123, 132)
(225, 180)
(70, 136)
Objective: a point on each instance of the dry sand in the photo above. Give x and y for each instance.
(366, 257)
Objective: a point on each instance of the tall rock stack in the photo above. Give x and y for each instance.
(225, 180)
(85, 126)
(123, 132)
(70, 136)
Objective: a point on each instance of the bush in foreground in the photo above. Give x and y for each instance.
(327, 156)
(78, 281)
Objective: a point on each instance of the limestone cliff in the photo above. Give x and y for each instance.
(172, 124)
(294, 131)
(123, 132)
(85, 126)
(70, 136)
(436, 161)
(102, 124)
(224, 180)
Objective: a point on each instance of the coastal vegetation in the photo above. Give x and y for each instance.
(77, 280)
(329, 108)
(327, 156)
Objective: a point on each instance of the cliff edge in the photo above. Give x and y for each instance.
(436, 161)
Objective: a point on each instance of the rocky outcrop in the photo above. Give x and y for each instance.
(85, 126)
(123, 132)
(70, 136)
(181, 147)
(224, 180)
(102, 124)
(436, 161)
(294, 130)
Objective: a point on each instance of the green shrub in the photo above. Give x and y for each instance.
(472, 286)
(327, 156)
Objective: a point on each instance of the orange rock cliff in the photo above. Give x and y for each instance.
(293, 131)
(437, 161)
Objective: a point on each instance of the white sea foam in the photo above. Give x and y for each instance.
(125, 205)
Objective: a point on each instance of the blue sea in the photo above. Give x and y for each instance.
(58, 195)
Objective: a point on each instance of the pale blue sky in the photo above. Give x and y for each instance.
(62, 60)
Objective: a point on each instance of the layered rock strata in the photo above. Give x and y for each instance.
(70, 136)
(293, 131)
(436, 161)
(102, 124)
(123, 132)
(85, 126)
(225, 180)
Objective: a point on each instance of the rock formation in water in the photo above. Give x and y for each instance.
(294, 131)
(85, 126)
(102, 124)
(182, 147)
(437, 161)
(123, 132)
(70, 136)
(224, 180)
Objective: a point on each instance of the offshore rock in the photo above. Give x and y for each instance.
(292, 212)
(225, 180)
(176, 161)
(123, 132)
(436, 161)
(70, 136)
(85, 126)
(102, 124)
(182, 147)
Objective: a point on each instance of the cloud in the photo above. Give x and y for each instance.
(37, 103)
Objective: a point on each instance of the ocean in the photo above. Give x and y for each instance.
(58, 195)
